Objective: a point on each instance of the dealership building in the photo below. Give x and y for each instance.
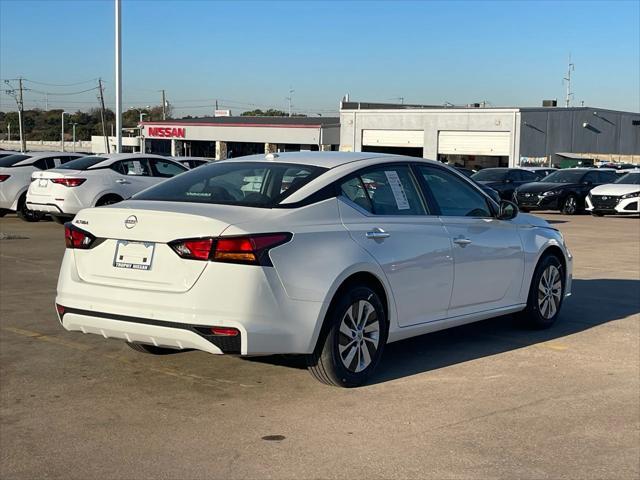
(227, 137)
(478, 137)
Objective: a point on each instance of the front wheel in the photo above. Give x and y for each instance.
(352, 347)
(545, 294)
(570, 205)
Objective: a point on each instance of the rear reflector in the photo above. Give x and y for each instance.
(225, 331)
(77, 238)
(60, 310)
(4, 177)
(69, 182)
(251, 249)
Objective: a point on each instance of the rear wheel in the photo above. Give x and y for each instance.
(108, 200)
(151, 349)
(353, 344)
(570, 205)
(545, 294)
(25, 213)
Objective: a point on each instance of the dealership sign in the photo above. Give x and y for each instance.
(167, 132)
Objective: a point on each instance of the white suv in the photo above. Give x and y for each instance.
(96, 180)
(15, 175)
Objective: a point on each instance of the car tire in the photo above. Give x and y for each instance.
(597, 214)
(151, 349)
(108, 200)
(546, 293)
(570, 205)
(353, 341)
(524, 210)
(25, 213)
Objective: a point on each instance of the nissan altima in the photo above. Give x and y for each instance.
(330, 255)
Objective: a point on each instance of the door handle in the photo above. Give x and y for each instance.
(122, 181)
(377, 233)
(463, 242)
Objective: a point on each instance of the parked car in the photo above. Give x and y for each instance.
(95, 181)
(323, 265)
(621, 197)
(505, 180)
(15, 176)
(564, 190)
(6, 153)
(541, 171)
(192, 162)
(488, 190)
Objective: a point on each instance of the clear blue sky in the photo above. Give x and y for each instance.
(505, 52)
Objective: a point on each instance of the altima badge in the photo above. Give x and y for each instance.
(131, 221)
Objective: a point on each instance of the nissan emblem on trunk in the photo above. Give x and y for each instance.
(131, 221)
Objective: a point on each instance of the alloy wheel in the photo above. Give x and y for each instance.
(570, 205)
(549, 292)
(359, 336)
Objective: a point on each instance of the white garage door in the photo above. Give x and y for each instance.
(474, 143)
(393, 138)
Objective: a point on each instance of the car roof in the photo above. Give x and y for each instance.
(111, 158)
(35, 156)
(324, 159)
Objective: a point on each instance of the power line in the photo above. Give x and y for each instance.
(60, 84)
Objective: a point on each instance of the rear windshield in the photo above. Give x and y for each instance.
(251, 184)
(11, 159)
(490, 175)
(632, 178)
(82, 163)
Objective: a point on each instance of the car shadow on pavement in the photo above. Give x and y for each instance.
(594, 302)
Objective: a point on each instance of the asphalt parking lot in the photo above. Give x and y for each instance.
(489, 400)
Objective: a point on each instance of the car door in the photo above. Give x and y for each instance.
(487, 252)
(385, 214)
(132, 176)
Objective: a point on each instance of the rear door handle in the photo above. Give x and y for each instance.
(122, 181)
(376, 233)
(463, 242)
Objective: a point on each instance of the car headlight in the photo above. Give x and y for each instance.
(631, 195)
(551, 192)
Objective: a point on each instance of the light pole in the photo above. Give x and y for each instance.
(62, 133)
(9, 131)
(118, 48)
(74, 136)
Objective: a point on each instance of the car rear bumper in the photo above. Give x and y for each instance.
(55, 204)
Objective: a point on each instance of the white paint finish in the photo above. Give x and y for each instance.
(393, 138)
(474, 143)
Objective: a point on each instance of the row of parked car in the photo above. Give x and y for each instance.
(61, 184)
(601, 191)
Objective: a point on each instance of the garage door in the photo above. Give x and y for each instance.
(474, 143)
(393, 138)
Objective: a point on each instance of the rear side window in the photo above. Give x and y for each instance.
(10, 160)
(82, 163)
(255, 184)
(386, 190)
(135, 168)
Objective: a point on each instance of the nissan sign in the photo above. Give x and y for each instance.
(166, 132)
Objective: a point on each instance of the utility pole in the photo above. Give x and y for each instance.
(46, 102)
(74, 136)
(102, 117)
(164, 106)
(23, 143)
(9, 132)
(289, 98)
(118, 48)
(567, 79)
(62, 132)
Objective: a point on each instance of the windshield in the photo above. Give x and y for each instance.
(82, 163)
(253, 184)
(632, 178)
(11, 159)
(490, 175)
(565, 176)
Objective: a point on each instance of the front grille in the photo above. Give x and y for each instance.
(604, 201)
(527, 198)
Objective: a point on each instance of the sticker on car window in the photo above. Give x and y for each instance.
(137, 167)
(397, 189)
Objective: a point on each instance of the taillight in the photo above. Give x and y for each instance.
(68, 182)
(76, 238)
(4, 177)
(250, 249)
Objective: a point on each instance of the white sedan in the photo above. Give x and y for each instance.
(95, 181)
(15, 176)
(330, 255)
(621, 197)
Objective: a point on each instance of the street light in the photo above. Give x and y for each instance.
(74, 137)
(141, 113)
(62, 134)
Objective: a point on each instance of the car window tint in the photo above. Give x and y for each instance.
(354, 190)
(531, 176)
(590, 177)
(166, 169)
(293, 178)
(137, 167)
(392, 191)
(41, 164)
(606, 177)
(454, 196)
(515, 175)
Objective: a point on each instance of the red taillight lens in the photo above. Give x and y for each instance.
(250, 249)
(68, 182)
(4, 177)
(197, 249)
(76, 238)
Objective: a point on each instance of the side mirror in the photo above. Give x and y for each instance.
(508, 210)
